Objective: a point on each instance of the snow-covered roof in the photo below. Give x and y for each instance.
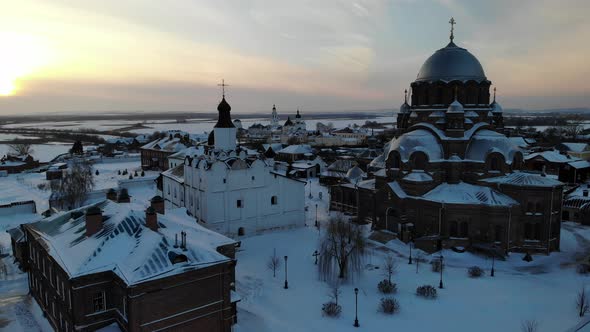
(417, 140)
(296, 149)
(580, 164)
(552, 156)
(487, 141)
(192, 151)
(342, 165)
(175, 173)
(125, 245)
(165, 144)
(525, 179)
(465, 193)
(519, 141)
(418, 176)
(574, 147)
(355, 174)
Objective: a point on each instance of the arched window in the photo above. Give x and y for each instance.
(528, 231)
(453, 229)
(539, 207)
(274, 200)
(464, 229)
(241, 231)
(419, 160)
(498, 233)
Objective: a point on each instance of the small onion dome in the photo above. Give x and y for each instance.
(298, 116)
(93, 210)
(288, 122)
(224, 119)
(157, 199)
(496, 108)
(405, 108)
(455, 107)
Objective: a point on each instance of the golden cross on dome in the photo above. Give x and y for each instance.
(452, 22)
(223, 85)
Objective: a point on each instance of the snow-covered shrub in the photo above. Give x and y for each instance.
(135, 174)
(331, 309)
(389, 306)
(387, 287)
(97, 172)
(119, 172)
(475, 272)
(437, 265)
(142, 173)
(426, 291)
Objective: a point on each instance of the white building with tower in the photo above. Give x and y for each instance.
(233, 193)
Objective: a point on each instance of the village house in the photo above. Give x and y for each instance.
(141, 269)
(17, 164)
(154, 155)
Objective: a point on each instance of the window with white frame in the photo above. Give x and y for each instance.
(98, 302)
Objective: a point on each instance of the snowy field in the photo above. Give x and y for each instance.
(43, 152)
(543, 290)
(194, 126)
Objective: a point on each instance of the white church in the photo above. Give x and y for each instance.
(233, 193)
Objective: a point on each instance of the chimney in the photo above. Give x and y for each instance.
(123, 196)
(157, 202)
(93, 220)
(151, 219)
(112, 195)
(585, 193)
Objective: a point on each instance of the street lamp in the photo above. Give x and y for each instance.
(316, 216)
(356, 307)
(286, 283)
(493, 260)
(410, 259)
(440, 285)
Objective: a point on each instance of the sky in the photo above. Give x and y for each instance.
(88, 57)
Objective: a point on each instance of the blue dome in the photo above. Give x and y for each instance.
(449, 64)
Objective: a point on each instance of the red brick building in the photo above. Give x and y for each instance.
(154, 155)
(108, 263)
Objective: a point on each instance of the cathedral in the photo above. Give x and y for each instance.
(232, 192)
(452, 178)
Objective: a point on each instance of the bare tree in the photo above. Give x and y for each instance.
(20, 149)
(274, 263)
(582, 302)
(334, 291)
(389, 267)
(529, 326)
(342, 249)
(76, 184)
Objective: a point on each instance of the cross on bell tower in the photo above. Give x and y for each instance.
(223, 85)
(452, 22)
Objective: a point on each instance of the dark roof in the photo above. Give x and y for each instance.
(451, 63)
(224, 119)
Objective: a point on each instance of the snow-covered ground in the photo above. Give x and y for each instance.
(42, 152)
(543, 290)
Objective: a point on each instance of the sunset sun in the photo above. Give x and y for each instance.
(20, 56)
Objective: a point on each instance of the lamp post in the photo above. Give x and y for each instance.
(310, 196)
(493, 260)
(440, 285)
(316, 254)
(356, 307)
(286, 283)
(316, 216)
(410, 259)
